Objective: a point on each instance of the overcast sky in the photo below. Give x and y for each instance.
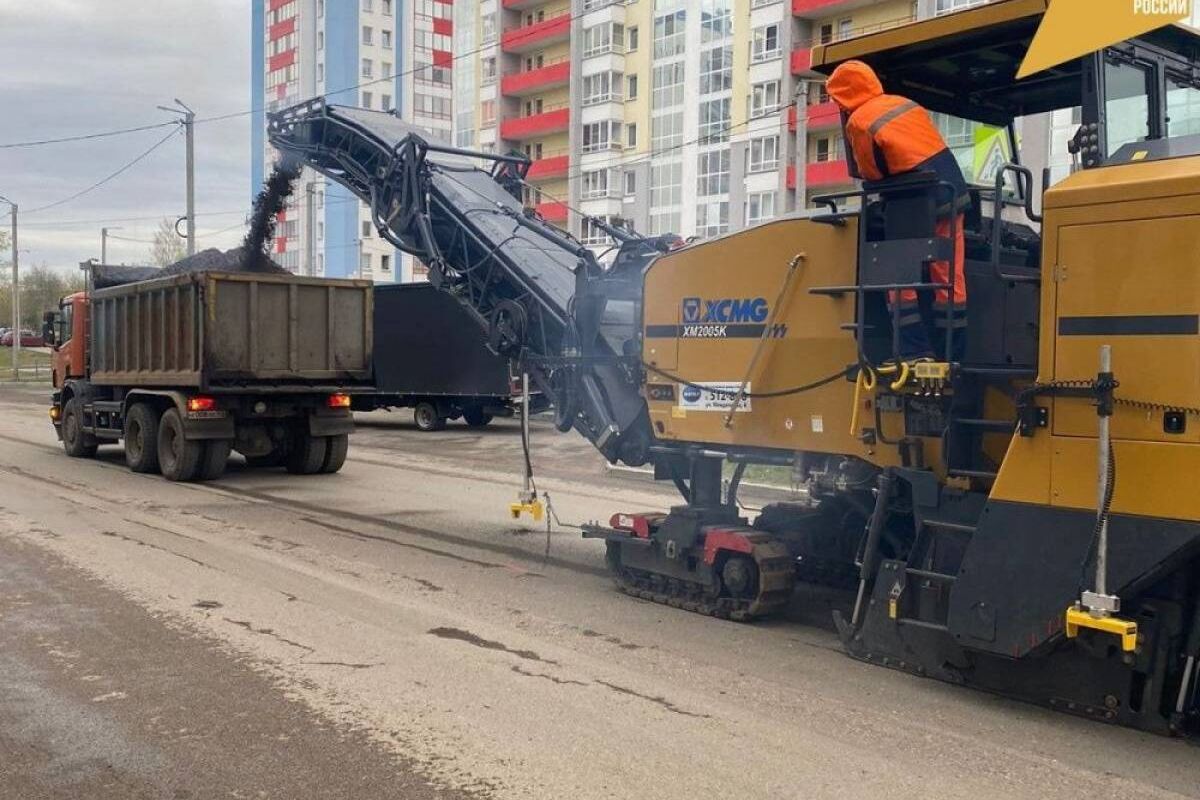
(71, 67)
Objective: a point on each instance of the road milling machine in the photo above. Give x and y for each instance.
(1021, 519)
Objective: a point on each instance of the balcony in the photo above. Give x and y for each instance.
(552, 211)
(801, 60)
(824, 115)
(827, 173)
(791, 118)
(548, 122)
(538, 35)
(549, 168)
(532, 81)
(521, 5)
(813, 9)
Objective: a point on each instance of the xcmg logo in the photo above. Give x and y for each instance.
(725, 310)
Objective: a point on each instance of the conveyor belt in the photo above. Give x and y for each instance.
(537, 293)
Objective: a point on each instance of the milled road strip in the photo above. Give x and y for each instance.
(784, 715)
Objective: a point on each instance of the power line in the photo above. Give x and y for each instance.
(103, 181)
(85, 136)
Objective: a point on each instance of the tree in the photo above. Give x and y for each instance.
(168, 245)
(41, 290)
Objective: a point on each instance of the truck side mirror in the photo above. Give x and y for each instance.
(48, 320)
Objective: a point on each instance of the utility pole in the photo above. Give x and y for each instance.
(104, 243)
(16, 295)
(188, 120)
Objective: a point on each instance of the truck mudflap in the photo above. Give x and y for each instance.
(198, 427)
(331, 422)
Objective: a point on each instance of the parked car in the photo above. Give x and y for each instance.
(28, 339)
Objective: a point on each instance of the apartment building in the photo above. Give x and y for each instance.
(386, 55)
(692, 116)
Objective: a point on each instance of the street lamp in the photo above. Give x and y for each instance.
(188, 119)
(16, 293)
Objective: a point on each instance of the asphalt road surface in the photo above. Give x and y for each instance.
(390, 632)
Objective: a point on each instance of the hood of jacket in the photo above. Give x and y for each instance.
(852, 84)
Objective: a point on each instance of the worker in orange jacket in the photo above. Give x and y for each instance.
(887, 136)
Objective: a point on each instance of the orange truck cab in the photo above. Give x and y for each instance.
(65, 331)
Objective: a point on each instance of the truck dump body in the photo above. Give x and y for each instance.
(426, 343)
(215, 330)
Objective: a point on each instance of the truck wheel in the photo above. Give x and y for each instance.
(428, 418)
(141, 438)
(178, 458)
(76, 442)
(307, 454)
(476, 417)
(214, 458)
(336, 448)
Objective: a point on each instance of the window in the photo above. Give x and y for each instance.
(669, 37)
(946, 6)
(1127, 103)
(385, 102)
(826, 148)
(714, 120)
(666, 196)
(666, 88)
(631, 87)
(368, 5)
(764, 98)
(487, 113)
(368, 35)
(488, 70)
(1183, 108)
(630, 183)
(592, 234)
(712, 218)
(712, 173)
(599, 136)
(631, 135)
(320, 231)
(387, 68)
(366, 99)
(487, 27)
(320, 71)
(385, 38)
(716, 20)
(385, 263)
(601, 88)
(632, 39)
(826, 33)
(764, 154)
(605, 38)
(368, 68)
(845, 29)
(320, 8)
(364, 263)
(766, 43)
(386, 7)
(366, 229)
(716, 69)
(760, 207)
(320, 40)
(595, 184)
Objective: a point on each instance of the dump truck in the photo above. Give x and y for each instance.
(972, 506)
(430, 357)
(186, 368)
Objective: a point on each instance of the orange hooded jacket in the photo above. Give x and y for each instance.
(888, 135)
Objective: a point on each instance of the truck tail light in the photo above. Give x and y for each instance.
(338, 401)
(201, 403)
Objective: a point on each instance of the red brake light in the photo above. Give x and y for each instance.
(201, 403)
(338, 401)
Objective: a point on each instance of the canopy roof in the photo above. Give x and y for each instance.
(966, 63)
